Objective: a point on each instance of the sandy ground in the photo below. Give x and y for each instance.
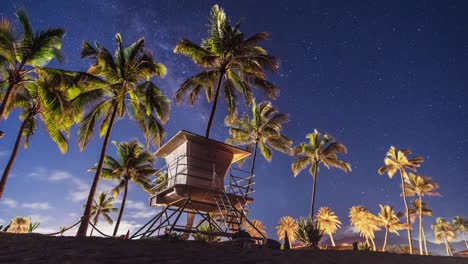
(42, 249)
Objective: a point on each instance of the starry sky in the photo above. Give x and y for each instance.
(372, 74)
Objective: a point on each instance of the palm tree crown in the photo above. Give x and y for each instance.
(461, 225)
(390, 221)
(321, 149)
(328, 221)
(231, 62)
(134, 164)
(21, 52)
(287, 224)
(365, 223)
(444, 233)
(103, 206)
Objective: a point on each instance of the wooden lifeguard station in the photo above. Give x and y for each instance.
(193, 182)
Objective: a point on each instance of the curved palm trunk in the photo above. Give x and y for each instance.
(215, 103)
(447, 248)
(373, 245)
(124, 199)
(420, 226)
(7, 98)
(12, 159)
(92, 192)
(252, 168)
(385, 240)
(425, 242)
(408, 225)
(313, 192)
(331, 239)
(464, 238)
(95, 221)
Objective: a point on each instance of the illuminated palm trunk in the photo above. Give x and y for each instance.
(408, 225)
(425, 242)
(92, 192)
(313, 192)
(331, 239)
(385, 240)
(420, 226)
(12, 159)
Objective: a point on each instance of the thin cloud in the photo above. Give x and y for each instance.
(9, 202)
(60, 175)
(37, 206)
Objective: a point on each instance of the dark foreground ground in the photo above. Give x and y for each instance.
(42, 249)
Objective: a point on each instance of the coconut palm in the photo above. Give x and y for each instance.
(328, 221)
(103, 206)
(21, 51)
(390, 221)
(414, 211)
(19, 225)
(398, 161)
(320, 150)
(134, 164)
(461, 225)
(287, 226)
(256, 228)
(444, 233)
(39, 100)
(420, 186)
(264, 130)
(231, 63)
(123, 86)
(365, 223)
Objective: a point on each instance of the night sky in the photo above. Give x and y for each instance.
(371, 74)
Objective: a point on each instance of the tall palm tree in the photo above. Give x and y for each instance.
(328, 221)
(365, 223)
(414, 211)
(461, 225)
(21, 51)
(103, 206)
(231, 63)
(258, 226)
(123, 86)
(264, 130)
(40, 100)
(134, 164)
(444, 232)
(287, 225)
(391, 221)
(420, 186)
(398, 161)
(320, 150)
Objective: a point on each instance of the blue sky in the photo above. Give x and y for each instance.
(372, 74)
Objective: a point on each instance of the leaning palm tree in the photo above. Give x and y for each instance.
(414, 212)
(39, 100)
(365, 223)
(398, 161)
(461, 225)
(103, 206)
(134, 164)
(444, 233)
(328, 221)
(231, 63)
(21, 51)
(256, 228)
(123, 86)
(287, 225)
(264, 130)
(390, 221)
(320, 150)
(420, 186)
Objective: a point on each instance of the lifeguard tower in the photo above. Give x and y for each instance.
(194, 183)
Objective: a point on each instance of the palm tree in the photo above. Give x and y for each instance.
(123, 85)
(461, 225)
(444, 232)
(365, 223)
(319, 150)
(134, 164)
(41, 100)
(398, 161)
(263, 129)
(234, 63)
(103, 206)
(391, 221)
(22, 52)
(420, 186)
(414, 211)
(328, 221)
(258, 226)
(287, 225)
